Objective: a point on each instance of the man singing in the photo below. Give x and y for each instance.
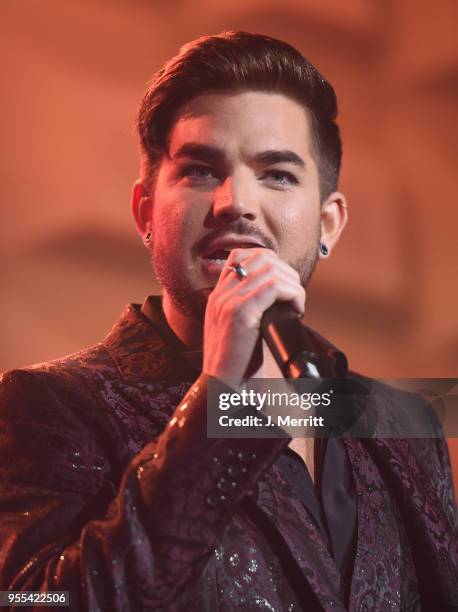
(110, 488)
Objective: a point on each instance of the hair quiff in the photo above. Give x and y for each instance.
(240, 61)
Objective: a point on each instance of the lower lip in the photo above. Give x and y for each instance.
(212, 267)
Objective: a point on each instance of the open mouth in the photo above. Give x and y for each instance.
(222, 253)
(218, 256)
(213, 261)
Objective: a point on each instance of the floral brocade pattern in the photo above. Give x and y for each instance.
(111, 490)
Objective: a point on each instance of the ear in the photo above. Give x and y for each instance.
(334, 217)
(142, 208)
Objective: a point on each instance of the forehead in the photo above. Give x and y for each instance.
(243, 122)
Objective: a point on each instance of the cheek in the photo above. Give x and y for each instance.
(176, 222)
(297, 221)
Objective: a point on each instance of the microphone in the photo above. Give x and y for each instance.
(290, 342)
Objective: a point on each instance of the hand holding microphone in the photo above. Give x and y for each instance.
(235, 310)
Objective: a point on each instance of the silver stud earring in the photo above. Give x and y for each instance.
(148, 237)
(324, 251)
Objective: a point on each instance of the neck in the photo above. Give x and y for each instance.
(188, 330)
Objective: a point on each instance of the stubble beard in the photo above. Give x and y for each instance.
(192, 302)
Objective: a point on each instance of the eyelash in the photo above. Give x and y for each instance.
(187, 170)
(292, 179)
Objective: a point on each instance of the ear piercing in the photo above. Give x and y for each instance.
(324, 251)
(148, 237)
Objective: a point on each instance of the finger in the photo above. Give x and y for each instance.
(235, 256)
(233, 286)
(253, 305)
(252, 259)
(291, 293)
(253, 280)
(284, 289)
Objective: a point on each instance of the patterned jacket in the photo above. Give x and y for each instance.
(111, 490)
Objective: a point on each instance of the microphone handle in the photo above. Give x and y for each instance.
(288, 341)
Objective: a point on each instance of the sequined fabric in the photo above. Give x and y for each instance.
(110, 489)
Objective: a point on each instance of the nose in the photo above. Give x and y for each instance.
(233, 199)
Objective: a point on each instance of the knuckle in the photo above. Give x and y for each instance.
(232, 258)
(242, 314)
(261, 253)
(268, 285)
(245, 320)
(233, 308)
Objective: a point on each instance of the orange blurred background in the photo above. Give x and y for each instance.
(73, 75)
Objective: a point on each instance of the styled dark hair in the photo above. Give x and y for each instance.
(240, 61)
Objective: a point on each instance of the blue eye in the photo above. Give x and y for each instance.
(280, 177)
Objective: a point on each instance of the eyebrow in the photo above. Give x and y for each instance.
(210, 153)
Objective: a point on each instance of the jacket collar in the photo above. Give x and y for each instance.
(144, 347)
